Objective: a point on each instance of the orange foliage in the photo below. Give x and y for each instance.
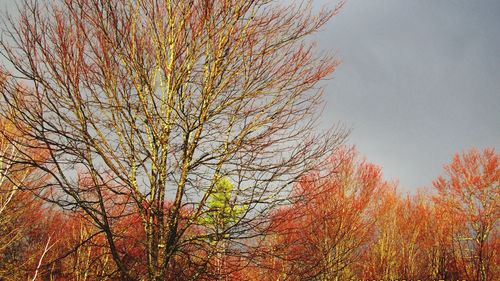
(325, 230)
(469, 196)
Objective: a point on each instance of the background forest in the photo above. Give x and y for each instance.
(178, 140)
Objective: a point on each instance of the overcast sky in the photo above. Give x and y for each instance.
(419, 81)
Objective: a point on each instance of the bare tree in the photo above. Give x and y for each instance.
(155, 102)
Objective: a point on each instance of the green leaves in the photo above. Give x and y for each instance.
(222, 209)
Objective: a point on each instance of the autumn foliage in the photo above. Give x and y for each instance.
(469, 195)
(342, 222)
(322, 233)
(177, 140)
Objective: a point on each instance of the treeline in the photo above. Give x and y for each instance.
(344, 222)
(177, 140)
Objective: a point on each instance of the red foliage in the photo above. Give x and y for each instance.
(324, 231)
(469, 199)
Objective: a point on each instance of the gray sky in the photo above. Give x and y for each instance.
(419, 81)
